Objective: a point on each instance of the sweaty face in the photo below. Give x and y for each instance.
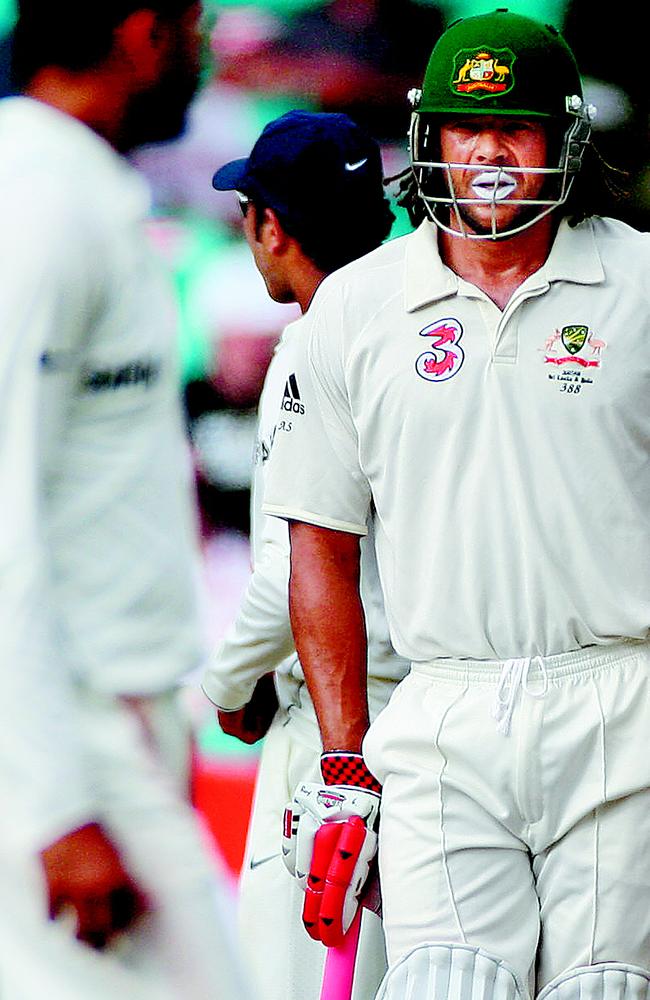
(484, 147)
(159, 113)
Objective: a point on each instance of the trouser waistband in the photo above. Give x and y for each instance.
(576, 661)
(529, 674)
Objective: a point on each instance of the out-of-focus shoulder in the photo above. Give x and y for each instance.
(61, 160)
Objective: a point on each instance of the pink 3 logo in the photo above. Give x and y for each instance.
(444, 358)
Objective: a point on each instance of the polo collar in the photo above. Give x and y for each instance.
(574, 257)
(426, 278)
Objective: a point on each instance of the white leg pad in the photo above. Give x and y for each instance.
(451, 972)
(606, 981)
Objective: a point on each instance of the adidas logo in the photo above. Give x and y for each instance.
(291, 398)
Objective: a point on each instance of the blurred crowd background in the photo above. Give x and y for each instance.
(261, 59)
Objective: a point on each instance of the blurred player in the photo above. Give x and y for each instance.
(98, 536)
(312, 196)
(483, 382)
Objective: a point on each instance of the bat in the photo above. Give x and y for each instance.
(338, 975)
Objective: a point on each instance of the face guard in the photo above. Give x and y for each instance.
(494, 185)
(498, 64)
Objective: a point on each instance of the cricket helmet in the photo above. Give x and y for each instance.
(499, 63)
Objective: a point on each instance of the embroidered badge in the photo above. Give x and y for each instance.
(571, 350)
(445, 356)
(483, 72)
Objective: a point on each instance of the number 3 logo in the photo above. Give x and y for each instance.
(446, 356)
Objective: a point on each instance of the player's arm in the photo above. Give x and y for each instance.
(260, 637)
(329, 629)
(239, 677)
(330, 828)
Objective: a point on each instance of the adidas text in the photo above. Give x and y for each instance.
(292, 406)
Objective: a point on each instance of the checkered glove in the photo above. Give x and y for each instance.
(329, 841)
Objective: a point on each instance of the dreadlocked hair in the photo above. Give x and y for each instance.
(599, 188)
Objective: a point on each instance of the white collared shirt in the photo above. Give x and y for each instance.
(98, 545)
(507, 453)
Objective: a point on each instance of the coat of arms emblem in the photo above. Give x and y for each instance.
(483, 72)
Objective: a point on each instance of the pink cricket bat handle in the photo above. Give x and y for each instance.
(338, 975)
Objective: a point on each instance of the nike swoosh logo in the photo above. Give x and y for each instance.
(256, 862)
(355, 166)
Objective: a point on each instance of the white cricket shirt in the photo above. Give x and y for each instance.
(97, 534)
(507, 453)
(260, 639)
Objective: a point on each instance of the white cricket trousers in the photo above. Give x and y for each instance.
(185, 948)
(285, 962)
(528, 834)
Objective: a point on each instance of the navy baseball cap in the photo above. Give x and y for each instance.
(304, 162)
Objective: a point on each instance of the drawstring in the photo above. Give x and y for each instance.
(514, 676)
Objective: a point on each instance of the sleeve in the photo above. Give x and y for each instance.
(315, 475)
(42, 777)
(260, 639)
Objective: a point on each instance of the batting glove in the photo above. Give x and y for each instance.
(329, 841)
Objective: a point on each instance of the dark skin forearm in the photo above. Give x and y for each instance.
(329, 630)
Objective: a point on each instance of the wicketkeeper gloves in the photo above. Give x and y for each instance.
(329, 841)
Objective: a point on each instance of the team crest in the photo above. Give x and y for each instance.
(583, 346)
(570, 351)
(483, 72)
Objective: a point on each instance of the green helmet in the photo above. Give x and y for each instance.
(499, 64)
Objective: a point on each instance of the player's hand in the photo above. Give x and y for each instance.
(329, 842)
(250, 723)
(84, 874)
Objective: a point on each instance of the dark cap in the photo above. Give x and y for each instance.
(304, 162)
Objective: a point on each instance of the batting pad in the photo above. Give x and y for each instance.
(606, 981)
(451, 972)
